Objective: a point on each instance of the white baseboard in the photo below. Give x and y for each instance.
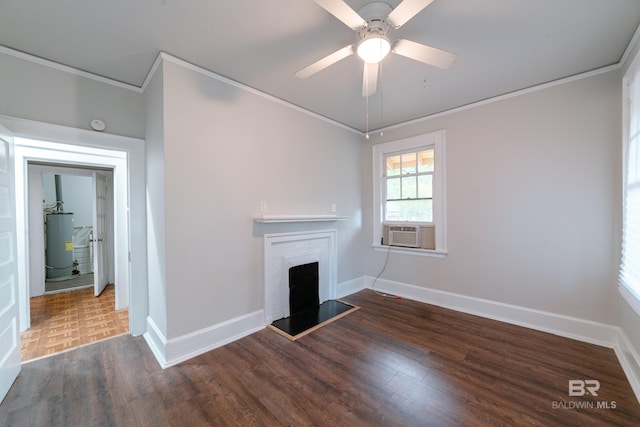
(350, 287)
(571, 327)
(156, 341)
(629, 360)
(566, 326)
(175, 350)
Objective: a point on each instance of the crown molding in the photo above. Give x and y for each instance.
(67, 69)
(163, 56)
(498, 98)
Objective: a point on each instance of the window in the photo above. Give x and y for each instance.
(630, 263)
(409, 187)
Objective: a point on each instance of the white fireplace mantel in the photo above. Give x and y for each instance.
(267, 219)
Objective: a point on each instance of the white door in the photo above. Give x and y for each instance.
(100, 270)
(9, 330)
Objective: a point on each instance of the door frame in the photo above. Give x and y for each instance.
(41, 142)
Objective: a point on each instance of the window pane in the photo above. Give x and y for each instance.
(425, 186)
(393, 165)
(393, 188)
(409, 210)
(409, 190)
(409, 163)
(425, 161)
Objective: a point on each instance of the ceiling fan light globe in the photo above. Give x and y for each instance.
(373, 49)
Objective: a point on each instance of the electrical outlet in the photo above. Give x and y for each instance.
(333, 207)
(263, 206)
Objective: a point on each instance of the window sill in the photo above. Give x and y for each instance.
(411, 251)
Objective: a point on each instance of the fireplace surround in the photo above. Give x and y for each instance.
(282, 251)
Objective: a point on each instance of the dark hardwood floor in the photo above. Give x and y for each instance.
(392, 363)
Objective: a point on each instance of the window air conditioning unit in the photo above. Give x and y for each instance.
(404, 235)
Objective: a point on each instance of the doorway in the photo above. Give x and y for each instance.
(68, 303)
(82, 149)
(71, 217)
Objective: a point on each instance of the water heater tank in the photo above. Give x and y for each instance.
(59, 245)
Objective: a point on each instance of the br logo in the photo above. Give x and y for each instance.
(582, 387)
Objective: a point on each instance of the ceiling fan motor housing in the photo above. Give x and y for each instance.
(375, 14)
(377, 28)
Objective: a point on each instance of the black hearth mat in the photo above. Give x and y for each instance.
(300, 324)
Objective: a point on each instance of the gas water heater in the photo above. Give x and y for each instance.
(59, 245)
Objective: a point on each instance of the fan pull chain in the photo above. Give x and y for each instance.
(380, 89)
(366, 135)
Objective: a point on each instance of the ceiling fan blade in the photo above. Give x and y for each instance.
(423, 53)
(405, 11)
(343, 12)
(370, 79)
(325, 62)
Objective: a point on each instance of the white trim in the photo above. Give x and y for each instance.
(156, 341)
(60, 140)
(266, 219)
(152, 71)
(350, 287)
(629, 294)
(629, 360)
(67, 135)
(410, 251)
(630, 298)
(558, 324)
(196, 68)
(566, 326)
(66, 69)
(630, 46)
(436, 139)
(170, 352)
(177, 350)
(166, 56)
(277, 247)
(499, 98)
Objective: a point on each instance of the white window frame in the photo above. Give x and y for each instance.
(631, 295)
(380, 151)
(401, 175)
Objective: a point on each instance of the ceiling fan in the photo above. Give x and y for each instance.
(373, 23)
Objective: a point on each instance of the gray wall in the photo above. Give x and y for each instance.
(533, 190)
(224, 151)
(77, 195)
(35, 92)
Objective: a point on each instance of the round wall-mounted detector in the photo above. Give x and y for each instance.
(97, 124)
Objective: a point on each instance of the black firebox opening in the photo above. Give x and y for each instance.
(303, 288)
(304, 303)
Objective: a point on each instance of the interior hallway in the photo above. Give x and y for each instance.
(66, 320)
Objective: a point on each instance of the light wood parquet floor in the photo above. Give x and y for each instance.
(67, 320)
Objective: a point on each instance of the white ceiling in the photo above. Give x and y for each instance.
(502, 46)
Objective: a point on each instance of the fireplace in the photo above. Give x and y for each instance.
(287, 252)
